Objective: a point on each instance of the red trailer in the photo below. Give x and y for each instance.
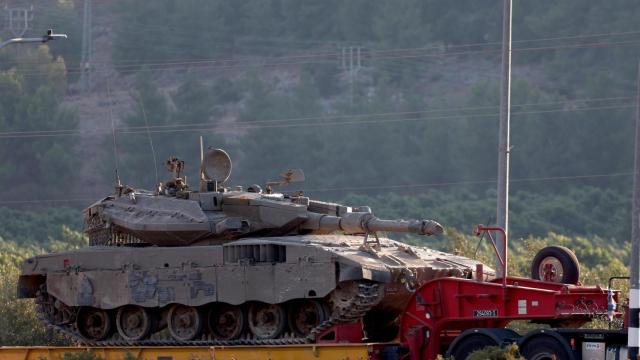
(455, 316)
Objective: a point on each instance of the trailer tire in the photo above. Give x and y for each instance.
(544, 348)
(463, 349)
(562, 261)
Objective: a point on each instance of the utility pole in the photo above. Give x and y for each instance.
(633, 335)
(505, 118)
(87, 48)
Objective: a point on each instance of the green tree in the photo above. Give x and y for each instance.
(400, 24)
(33, 103)
(18, 319)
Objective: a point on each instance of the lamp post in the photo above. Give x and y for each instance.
(50, 35)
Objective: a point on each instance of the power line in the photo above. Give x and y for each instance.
(435, 47)
(498, 43)
(365, 122)
(318, 60)
(376, 187)
(37, 201)
(337, 53)
(468, 182)
(399, 113)
(297, 122)
(322, 58)
(365, 115)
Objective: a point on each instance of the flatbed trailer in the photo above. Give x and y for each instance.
(275, 352)
(445, 316)
(458, 316)
(566, 344)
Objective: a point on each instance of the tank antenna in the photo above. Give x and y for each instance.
(201, 150)
(118, 186)
(203, 183)
(146, 123)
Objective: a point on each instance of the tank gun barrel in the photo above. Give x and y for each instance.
(419, 227)
(361, 222)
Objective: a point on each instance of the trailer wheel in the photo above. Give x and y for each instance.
(471, 343)
(556, 264)
(544, 348)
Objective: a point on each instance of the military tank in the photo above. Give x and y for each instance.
(230, 266)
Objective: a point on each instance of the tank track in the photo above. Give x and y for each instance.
(364, 300)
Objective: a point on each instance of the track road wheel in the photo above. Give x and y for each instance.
(267, 321)
(226, 322)
(304, 315)
(134, 322)
(544, 348)
(184, 322)
(472, 343)
(556, 264)
(94, 324)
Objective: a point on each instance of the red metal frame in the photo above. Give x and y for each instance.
(440, 309)
(342, 333)
(502, 259)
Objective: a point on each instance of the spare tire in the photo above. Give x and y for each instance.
(556, 264)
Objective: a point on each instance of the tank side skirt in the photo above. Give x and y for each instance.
(233, 284)
(364, 300)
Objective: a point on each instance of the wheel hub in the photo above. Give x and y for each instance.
(226, 321)
(266, 321)
(184, 322)
(133, 321)
(94, 323)
(305, 316)
(551, 269)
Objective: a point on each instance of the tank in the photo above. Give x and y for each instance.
(226, 265)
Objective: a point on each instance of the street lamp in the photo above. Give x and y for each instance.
(50, 35)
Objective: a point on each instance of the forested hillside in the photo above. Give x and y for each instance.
(391, 104)
(398, 97)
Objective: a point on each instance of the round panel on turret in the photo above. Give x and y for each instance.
(216, 165)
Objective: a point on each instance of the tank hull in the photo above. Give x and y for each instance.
(277, 270)
(272, 270)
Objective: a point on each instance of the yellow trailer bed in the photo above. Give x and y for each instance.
(280, 352)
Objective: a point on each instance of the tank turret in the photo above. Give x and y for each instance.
(175, 216)
(231, 266)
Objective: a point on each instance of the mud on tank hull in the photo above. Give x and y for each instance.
(250, 288)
